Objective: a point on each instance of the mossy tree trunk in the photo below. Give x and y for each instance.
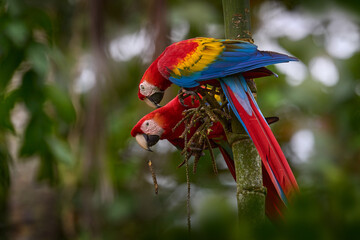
(250, 190)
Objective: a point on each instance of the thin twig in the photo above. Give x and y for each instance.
(188, 189)
(197, 123)
(212, 156)
(181, 121)
(156, 186)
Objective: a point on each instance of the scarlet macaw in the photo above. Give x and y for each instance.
(190, 63)
(193, 62)
(159, 124)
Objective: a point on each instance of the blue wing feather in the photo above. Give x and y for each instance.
(237, 57)
(232, 82)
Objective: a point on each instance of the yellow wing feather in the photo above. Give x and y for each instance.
(207, 52)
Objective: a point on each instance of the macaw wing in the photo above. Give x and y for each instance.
(189, 63)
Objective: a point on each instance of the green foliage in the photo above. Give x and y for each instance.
(44, 49)
(25, 52)
(62, 103)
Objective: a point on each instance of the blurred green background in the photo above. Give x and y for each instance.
(69, 72)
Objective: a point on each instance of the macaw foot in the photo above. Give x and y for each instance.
(212, 109)
(184, 93)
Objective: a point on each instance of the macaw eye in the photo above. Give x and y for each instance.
(142, 86)
(151, 127)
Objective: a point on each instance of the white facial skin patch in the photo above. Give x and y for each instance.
(150, 127)
(148, 89)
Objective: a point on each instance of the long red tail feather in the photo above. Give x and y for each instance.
(274, 205)
(274, 162)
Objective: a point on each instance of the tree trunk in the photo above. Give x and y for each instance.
(250, 191)
(95, 188)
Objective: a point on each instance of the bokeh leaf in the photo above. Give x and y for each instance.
(36, 132)
(61, 150)
(9, 62)
(37, 56)
(7, 103)
(18, 32)
(62, 103)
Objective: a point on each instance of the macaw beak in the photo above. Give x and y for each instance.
(146, 141)
(155, 99)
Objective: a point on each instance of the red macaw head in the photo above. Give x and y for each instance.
(159, 123)
(152, 86)
(148, 130)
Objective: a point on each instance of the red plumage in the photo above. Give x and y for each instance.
(226, 63)
(269, 150)
(180, 51)
(170, 114)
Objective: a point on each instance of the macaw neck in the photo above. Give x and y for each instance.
(172, 115)
(153, 76)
